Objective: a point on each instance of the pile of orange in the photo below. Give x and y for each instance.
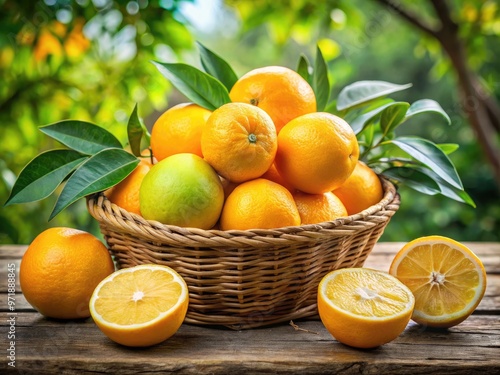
(279, 160)
(266, 160)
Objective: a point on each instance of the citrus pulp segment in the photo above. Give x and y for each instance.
(364, 308)
(447, 279)
(140, 306)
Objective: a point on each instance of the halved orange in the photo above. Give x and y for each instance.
(447, 279)
(140, 306)
(364, 308)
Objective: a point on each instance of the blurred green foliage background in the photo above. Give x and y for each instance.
(90, 60)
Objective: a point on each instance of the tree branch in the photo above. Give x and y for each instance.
(410, 17)
(443, 12)
(447, 34)
(492, 108)
(479, 105)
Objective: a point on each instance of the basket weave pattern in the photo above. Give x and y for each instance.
(252, 278)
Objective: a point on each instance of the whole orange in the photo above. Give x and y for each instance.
(239, 141)
(259, 204)
(318, 208)
(361, 190)
(60, 270)
(317, 152)
(178, 130)
(279, 91)
(126, 193)
(182, 190)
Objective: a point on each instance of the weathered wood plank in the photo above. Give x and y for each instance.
(380, 258)
(79, 347)
(12, 251)
(382, 254)
(4, 274)
(489, 304)
(47, 346)
(20, 303)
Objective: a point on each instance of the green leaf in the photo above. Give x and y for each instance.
(367, 138)
(8, 228)
(448, 148)
(445, 188)
(100, 172)
(458, 195)
(430, 155)
(449, 191)
(304, 69)
(217, 67)
(135, 131)
(360, 122)
(81, 136)
(414, 179)
(364, 91)
(331, 107)
(320, 83)
(392, 116)
(43, 174)
(199, 87)
(427, 105)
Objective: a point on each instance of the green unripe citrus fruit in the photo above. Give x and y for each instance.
(182, 190)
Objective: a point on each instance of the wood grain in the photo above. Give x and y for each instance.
(79, 346)
(47, 346)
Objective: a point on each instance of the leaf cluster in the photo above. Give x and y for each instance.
(413, 161)
(94, 159)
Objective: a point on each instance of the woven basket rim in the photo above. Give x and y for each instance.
(100, 206)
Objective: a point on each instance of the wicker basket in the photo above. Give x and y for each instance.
(246, 279)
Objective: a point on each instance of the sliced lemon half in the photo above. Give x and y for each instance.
(364, 308)
(446, 277)
(140, 306)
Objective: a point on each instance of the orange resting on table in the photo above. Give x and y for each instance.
(60, 270)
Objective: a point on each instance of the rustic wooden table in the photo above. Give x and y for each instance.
(36, 345)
